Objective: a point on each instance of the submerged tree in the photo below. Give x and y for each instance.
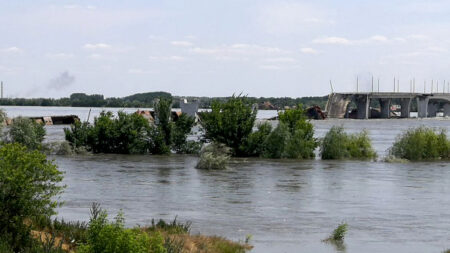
(134, 134)
(26, 132)
(229, 122)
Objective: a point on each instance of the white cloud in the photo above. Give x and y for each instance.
(59, 56)
(308, 50)
(239, 51)
(270, 67)
(281, 60)
(348, 42)
(174, 58)
(97, 46)
(181, 43)
(333, 40)
(288, 17)
(95, 56)
(14, 50)
(190, 37)
(139, 71)
(378, 38)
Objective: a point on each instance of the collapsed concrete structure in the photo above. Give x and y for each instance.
(428, 104)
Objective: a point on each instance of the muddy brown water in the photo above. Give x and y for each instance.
(287, 206)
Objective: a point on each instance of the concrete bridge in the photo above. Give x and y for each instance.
(427, 104)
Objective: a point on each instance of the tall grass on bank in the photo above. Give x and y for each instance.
(421, 143)
(339, 145)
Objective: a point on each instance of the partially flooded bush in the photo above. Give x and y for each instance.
(229, 123)
(421, 143)
(26, 132)
(275, 142)
(253, 145)
(338, 234)
(58, 148)
(181, 129)
(78, 134)
(133, 134)
(293, 137)
(214, 156)
(339, 145)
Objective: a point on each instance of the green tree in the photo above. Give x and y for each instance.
(253, 145)
(182, 128)
(26, 132)
(163, 111)
(78, 134)
(29, 183)
(275, 143)
(229, 122)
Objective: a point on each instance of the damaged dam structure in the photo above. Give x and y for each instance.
(427, 104)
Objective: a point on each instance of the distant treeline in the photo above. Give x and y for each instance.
(142, 100)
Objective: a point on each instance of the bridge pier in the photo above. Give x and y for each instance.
(337, 105)
(405, 104)
(422, 106)
(385, 108)
(362, 103)
(432, 109)
(447, 110)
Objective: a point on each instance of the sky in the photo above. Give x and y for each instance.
(220, 47)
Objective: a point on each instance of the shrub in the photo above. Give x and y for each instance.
(26, 132)
(28, 183)
(301, 142)
(132, 133)
(339, 145)
(254, 144)
(292, 138)
(112, 237)
(421, 144)
(229, 123)
(338, 233)
(124, 134)
(78, 134)
(275, 142)
(214, 156)
(3, 119)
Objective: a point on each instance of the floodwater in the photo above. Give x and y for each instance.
(287, 206)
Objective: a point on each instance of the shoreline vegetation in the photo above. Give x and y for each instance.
(31, 186)
(230, 129)
(31, 183)
(146, 100)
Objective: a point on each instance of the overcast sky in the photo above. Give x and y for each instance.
(220, 47)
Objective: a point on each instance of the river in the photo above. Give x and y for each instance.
(287, 206)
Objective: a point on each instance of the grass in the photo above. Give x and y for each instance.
(58, 236)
